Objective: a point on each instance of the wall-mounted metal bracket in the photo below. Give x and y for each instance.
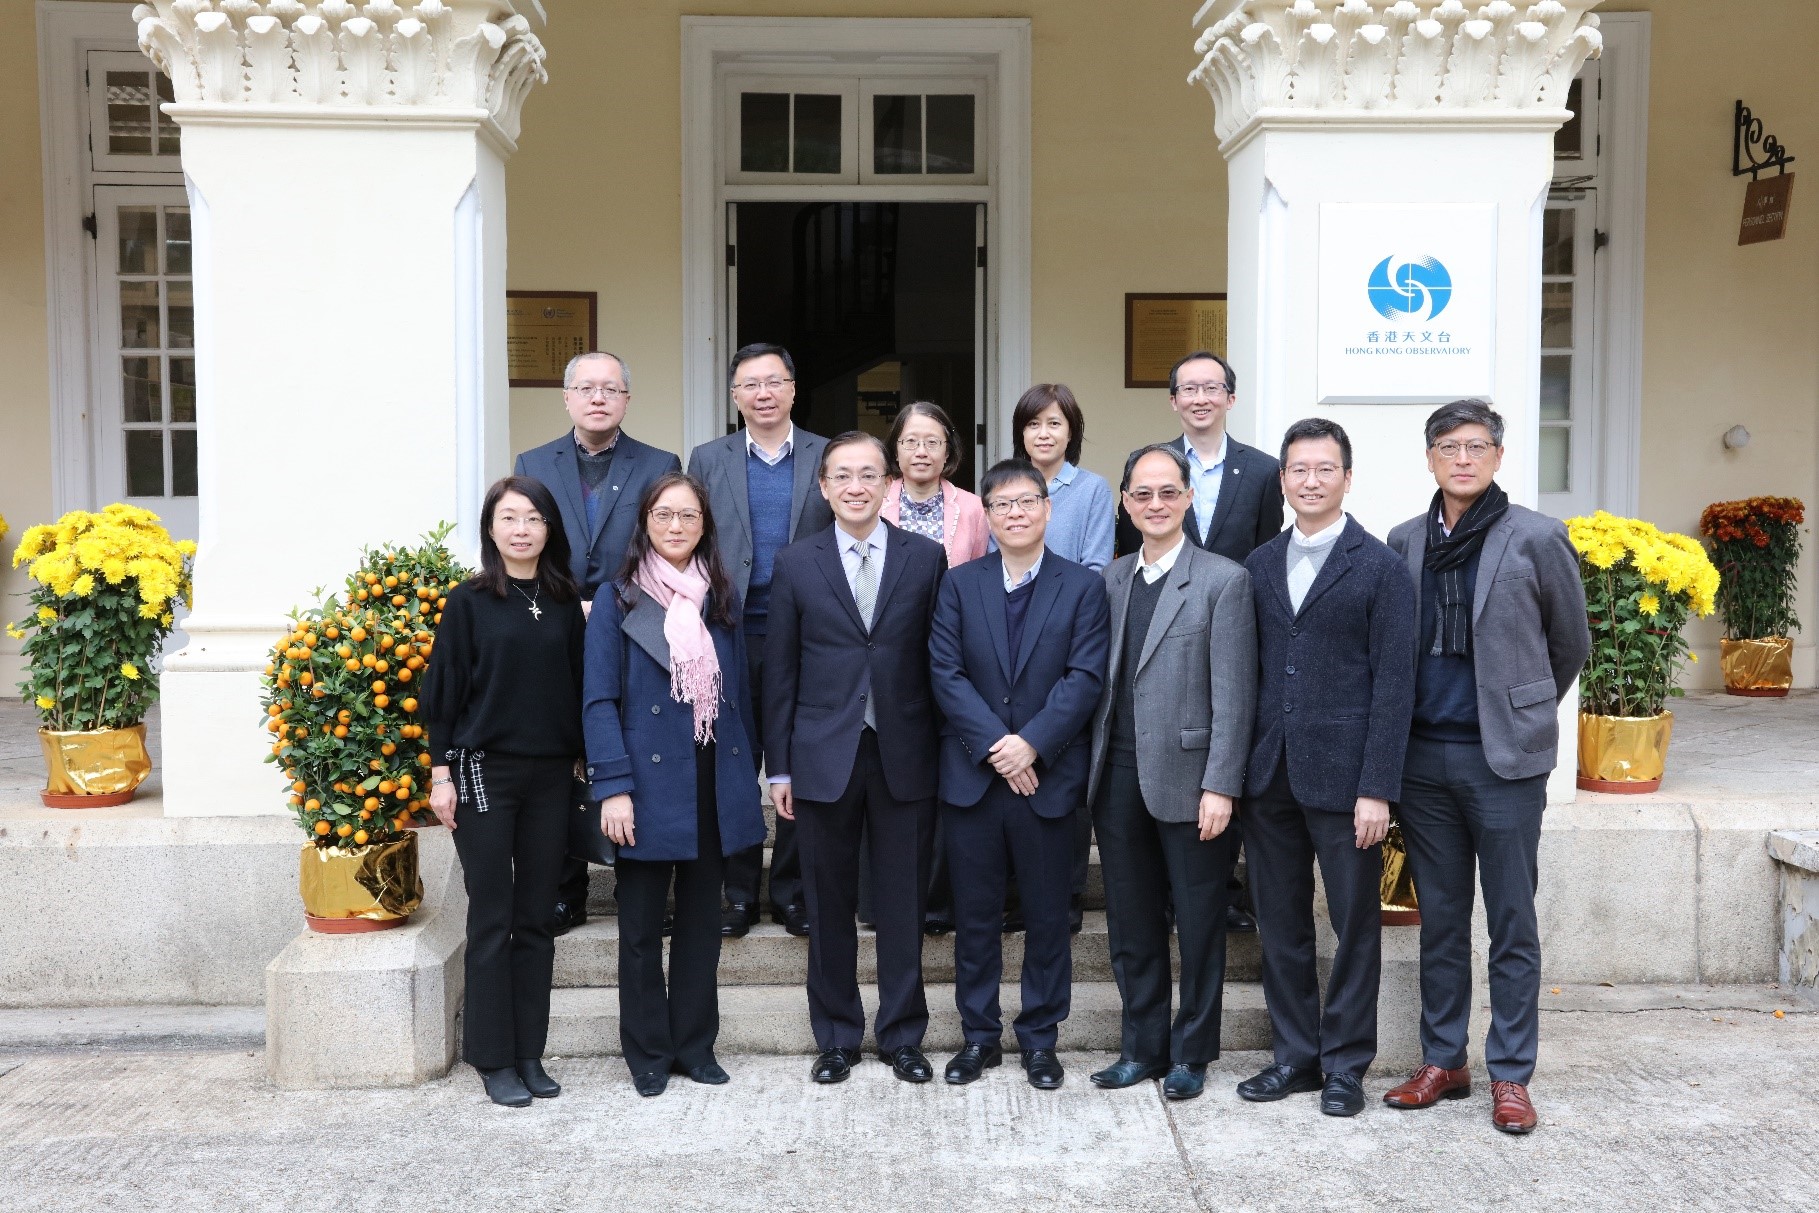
(1747, 136)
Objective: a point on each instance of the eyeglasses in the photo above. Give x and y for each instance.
(1029, 503)
(604, 391)
(1194, 391)
(663, 516)
(922, 444)
(840, 480)
(1168, 494)
(532, 522)
(750, 387)
(1318, 471)
(1474, 450)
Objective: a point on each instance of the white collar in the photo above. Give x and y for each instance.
(1320, 538)
(1440, 517)
(789, 444)
(1027, 577)
(1164, 562)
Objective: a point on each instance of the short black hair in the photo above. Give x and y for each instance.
(1318, 427)
(1231, 376)
(1034, 401)
(758, 349)
(1157, 448)
(1449, 417)
(851, 438)
(936, 414)
(1007, 470)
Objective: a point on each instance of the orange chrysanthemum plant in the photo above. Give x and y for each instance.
(1756, 545)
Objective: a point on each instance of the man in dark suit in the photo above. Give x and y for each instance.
(851, 744)
(1502, 637)
(1018, 653)
(1169, 741)
(597, 474)
(1335, 637)
(761, 486)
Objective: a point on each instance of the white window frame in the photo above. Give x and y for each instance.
(948, 86)
(103, 160)
(848, 92)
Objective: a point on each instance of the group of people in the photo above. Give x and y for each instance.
(946, 693)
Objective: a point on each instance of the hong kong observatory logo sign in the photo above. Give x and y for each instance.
(1417, 289)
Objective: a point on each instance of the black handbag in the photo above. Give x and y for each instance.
(585, 841)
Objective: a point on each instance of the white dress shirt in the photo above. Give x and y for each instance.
(1163, 564)
(789, 444)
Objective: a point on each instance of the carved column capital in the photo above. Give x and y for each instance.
(1327, 60)
(348, 56)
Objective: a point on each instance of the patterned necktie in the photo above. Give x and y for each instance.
(865, 594)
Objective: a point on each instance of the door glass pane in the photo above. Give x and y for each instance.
(764, 132)
(817, 133)
(139, 329)
(176, 240)
(169, 138)
(144, 394)
(950, 134)
(139, 239)
(1569, 140)
(183, 463)
(1556, 464)
(1557, 315)
(1557, 240)
(129, 113)
(183, 389)
(145, 463)
(1556, 387)
(182, 318)
(896, 134)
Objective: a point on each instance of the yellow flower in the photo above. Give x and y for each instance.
(1649, 605)
(129, 671)
(47, 614)
(15, 631)
(46, 703)
(83, 586)
(1692, 657)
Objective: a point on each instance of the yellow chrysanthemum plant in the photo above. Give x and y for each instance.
(106, 590)
(340, 695)
(1642, 584)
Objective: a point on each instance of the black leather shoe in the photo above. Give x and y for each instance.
(972, 1061)
(567, 918)
(505, 1088)
(1278, 1082)
(1043, 1069)
(1127, 1073)
(795, 920)
(538, 1083)
(908, 1063)
(1013, 922)
(654, 1083)
(834, 1065)
(1184, 1081)
(1237, 922)
(934, 928)
(709, 1074)
(1343, 1096)
(736, 920)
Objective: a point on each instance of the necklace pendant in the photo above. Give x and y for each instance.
(536, 612)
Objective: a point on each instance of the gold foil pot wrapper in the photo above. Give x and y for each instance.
(1397, 891)
(378, 881)
(104, 762)
(1757, 665)
(1624, 749)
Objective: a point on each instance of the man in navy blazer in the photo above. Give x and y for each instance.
(850, 737)
(1335, 644)
(597, 473)
(1018, 653)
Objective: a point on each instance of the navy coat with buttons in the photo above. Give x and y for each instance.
(641, 741)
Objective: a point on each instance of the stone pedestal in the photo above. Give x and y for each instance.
(1796, 854)
(345, 166)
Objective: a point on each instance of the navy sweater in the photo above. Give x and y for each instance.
(767, 489)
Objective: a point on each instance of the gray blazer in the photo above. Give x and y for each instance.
(1196, 683)
(720, 465)
(1529, 634)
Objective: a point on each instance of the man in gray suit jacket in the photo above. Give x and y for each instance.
(1169, 744)
(1502, 635)
(762, 488)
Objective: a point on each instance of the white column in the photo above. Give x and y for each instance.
(1359, 132)
(345, 165)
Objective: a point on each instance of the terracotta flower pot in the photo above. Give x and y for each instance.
(1623, 753)
(1757, 667)
(367, 888)
(94, 769)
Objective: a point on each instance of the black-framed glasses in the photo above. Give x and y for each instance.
(751, 387)
(1029, 503)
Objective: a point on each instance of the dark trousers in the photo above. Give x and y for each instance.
(898, 837)
(984, 843)
(571, 891)
(661, 1028)
(940, 903)
(745, 870)
(1285, 839)
(510, 857)
(1144, 861)
(1458, 815)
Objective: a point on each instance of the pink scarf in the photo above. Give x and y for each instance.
(694, 665)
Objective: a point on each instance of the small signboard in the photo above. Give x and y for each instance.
(1160, 329)
(1765, 203)
(543, 330)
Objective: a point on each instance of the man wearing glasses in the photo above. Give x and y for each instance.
(1335, 637)
(761, 487)
(1168, 747)
(1502, 635)
(598, 474)
(1017, 654)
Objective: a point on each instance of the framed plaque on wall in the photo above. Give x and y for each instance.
(543, 330)
(1161, 328)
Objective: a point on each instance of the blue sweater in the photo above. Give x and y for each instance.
(768, 490)
(1446, 688)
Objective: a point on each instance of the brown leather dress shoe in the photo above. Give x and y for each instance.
(1428, 1086)
(1510, 1109)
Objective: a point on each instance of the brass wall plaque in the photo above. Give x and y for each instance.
(1765, 204)
(1159, 329)
(543, 330)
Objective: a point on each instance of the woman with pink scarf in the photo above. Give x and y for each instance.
(665, 705)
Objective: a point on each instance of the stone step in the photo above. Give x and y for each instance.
(774, 1019)
(769, 956)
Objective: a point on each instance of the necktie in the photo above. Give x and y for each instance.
(865, 595)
